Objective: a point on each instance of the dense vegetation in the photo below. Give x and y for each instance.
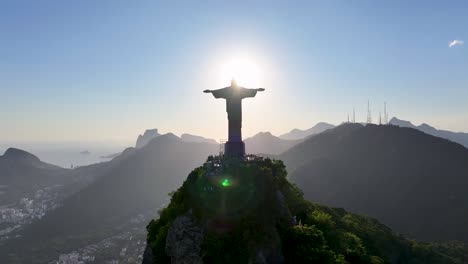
(243, 195)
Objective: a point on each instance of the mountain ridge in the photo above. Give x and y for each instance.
(296, 134)
(267, 143)
(458, 137)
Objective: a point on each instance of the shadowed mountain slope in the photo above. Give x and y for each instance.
(413, 182)
(138, 182)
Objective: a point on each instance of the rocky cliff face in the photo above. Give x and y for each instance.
(184, 240)
(144, 139)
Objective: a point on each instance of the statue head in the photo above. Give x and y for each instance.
(233, 83)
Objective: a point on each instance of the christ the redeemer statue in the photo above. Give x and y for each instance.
(234, 95)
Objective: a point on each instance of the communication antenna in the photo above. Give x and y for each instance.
(354, 116)
(369, 115)
(385, 114)
(348, 118)
(380, 118)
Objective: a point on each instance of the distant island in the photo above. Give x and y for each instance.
(85, 152)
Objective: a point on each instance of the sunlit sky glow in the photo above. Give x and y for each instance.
(243, 69)
(107, 70)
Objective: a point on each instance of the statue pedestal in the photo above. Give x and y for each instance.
(234, 149)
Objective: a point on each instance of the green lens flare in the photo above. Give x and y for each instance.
(225, 183)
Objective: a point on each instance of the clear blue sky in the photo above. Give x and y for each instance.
(107, 70)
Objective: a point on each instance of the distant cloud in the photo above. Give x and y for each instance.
(456, 42)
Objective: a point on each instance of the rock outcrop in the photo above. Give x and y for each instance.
(144, 139)
(184, 239)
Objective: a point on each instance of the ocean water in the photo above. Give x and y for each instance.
(66, 155)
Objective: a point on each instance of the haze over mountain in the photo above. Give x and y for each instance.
(266, 143)
(120, 200)
(115, 199)
(296, 134)
(458, 137)
(193, 138)
(409, 180)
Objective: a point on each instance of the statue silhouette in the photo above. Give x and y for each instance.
(234, 95)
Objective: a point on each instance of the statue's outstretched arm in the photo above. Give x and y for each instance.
(247, 92)
(255, 89)
(220, 93)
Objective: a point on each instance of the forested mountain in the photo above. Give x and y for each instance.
(246, 211)
(413, 182)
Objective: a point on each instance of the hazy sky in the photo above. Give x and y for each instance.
(107, 70)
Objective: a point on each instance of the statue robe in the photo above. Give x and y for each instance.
(234, 96)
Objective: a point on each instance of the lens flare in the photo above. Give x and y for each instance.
(225, 183)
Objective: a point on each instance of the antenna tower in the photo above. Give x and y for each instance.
(385, 114)
(369, 115)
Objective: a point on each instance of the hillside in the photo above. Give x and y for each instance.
(409, 180)
(246, 211)
(113, 208)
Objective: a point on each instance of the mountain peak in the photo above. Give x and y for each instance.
(147, 137)
(425, 126)
(402, 123)
(18, 154)
(263, 134)
(169, 137)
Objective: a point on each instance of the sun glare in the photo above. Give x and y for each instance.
(243, 70)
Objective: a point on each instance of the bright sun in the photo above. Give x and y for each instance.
(243, 70)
